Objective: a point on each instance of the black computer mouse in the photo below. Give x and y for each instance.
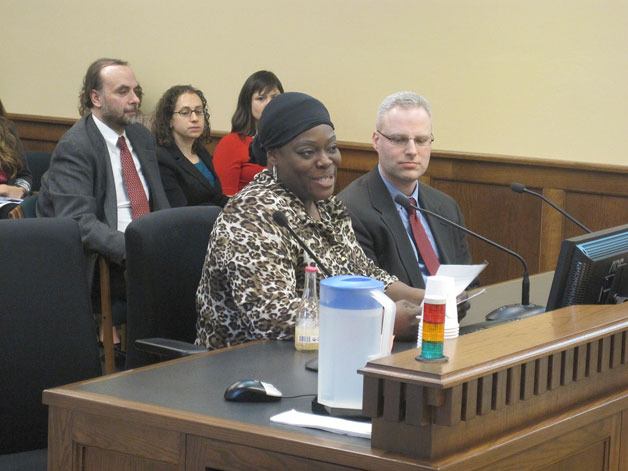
(252, 390)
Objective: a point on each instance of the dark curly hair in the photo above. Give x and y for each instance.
(243, 121)
(164, 111)
(93, 81)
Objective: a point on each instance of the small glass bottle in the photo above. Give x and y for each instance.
(306, 323)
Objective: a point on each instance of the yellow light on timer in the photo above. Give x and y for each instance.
(433, 331)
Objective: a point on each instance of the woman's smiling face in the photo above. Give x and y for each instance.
(307, 165)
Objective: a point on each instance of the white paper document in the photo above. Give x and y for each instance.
(353, 428)
(6, 200)
(463, 275)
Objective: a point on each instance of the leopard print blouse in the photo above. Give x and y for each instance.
(253, 274)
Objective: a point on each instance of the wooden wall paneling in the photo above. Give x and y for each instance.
(616, 350)
(587, 449)
(623, 441)
(500, 389)
(580, 359)
(552, 228)
(60, 450)
(534, 173)
(127, 438)
(567, 373)
(554, 371)
(604, 358)
(513, 394)
(541, 375)
(357, 159)
(593, 349)
(595, 211)
(527, 380)
(97, 458)
(595, 194)
(485, 394)
(451, 413)
(469, 399)
(502, 216)
(392, 401)
(40, 133)
(415, 404)
(372, 403)
(536, 401)
(208, 454)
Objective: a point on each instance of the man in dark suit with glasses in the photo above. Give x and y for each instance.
(403, 242)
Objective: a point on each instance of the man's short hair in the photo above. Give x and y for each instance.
(403, 100)
(93, 81)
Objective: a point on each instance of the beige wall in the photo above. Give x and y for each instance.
(532, 78)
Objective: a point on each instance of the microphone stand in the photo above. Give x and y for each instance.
(510, 311)
(282, 221)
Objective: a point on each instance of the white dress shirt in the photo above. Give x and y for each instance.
(122, 198)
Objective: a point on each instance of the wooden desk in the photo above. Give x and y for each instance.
(172, 416)
(547, 390)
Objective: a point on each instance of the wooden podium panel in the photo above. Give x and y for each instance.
(505, 391)
(548, 392)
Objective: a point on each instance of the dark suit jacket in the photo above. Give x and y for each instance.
(183, 183)
(383, 237)
(80, 184)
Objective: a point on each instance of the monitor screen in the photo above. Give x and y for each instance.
(591, 269)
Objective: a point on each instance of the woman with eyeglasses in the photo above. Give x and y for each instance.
(234, 165)
(15, 176)
(181, 128)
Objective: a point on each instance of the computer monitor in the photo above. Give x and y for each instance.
(591, 269)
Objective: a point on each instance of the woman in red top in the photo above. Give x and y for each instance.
(232, 161)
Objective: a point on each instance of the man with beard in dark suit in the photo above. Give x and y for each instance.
(103, 172)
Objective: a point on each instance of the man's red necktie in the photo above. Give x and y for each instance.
(426, 251)
(132, 182)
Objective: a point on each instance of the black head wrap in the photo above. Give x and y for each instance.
(283, 119)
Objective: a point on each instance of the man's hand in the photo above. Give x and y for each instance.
(463, 305)
(406, 322)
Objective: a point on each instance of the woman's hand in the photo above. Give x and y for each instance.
(406, 321)
(11, 191)
(408, 301)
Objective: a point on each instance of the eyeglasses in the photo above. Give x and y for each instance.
(403, 141)
(187, 112)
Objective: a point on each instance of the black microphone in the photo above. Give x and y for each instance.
(521, 188)
(282, 221)
(510, 311)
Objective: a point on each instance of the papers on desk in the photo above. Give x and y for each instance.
(463, 275)
(4, 200)
(324, 422)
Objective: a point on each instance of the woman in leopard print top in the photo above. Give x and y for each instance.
(253, 274)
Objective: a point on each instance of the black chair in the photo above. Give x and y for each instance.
(38, 163)
(26, 209)
(165, 252)
(28, 206)
(47, 332)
